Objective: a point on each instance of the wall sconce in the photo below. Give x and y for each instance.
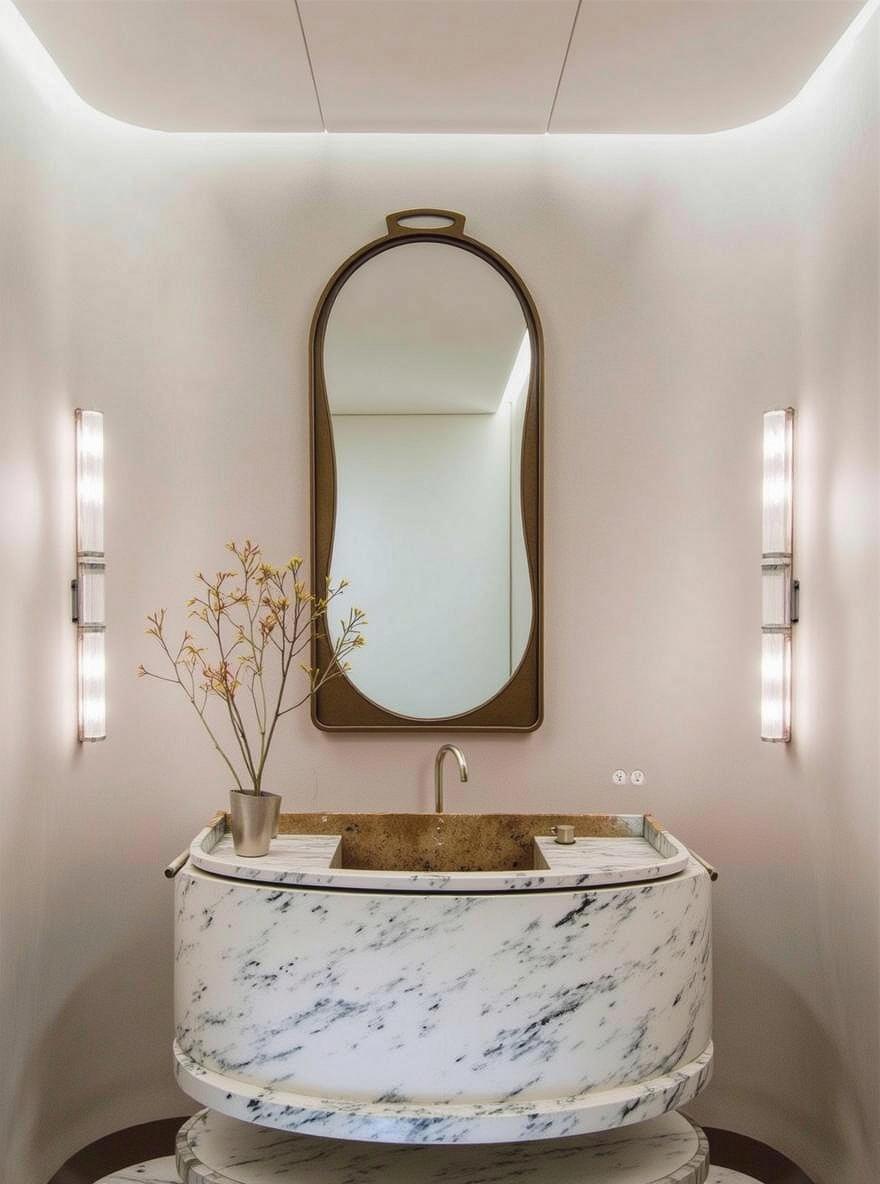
(779, 591)
(88, 587)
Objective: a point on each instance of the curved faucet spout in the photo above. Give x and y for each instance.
(438, 772)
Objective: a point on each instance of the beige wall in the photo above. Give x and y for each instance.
(685, 284)
(35, 520)
(832, 1046)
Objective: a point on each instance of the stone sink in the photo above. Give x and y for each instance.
(445, 842)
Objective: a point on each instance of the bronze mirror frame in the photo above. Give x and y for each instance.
(339, 706)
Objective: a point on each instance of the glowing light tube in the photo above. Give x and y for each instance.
(776, 685)
(89, 613)
(92, 685)
(776, 576)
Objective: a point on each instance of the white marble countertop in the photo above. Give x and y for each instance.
(306, 860)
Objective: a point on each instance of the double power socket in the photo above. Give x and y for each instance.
(636, 777)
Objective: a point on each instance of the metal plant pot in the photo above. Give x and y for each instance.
(254, 821)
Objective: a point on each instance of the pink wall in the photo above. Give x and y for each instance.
(685, 285)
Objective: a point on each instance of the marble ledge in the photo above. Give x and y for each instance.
(510, 1121)
(316, 860)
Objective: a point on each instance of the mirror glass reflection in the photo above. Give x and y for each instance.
(427, 366)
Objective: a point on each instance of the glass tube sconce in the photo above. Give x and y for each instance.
(88, 587)
(779, 591)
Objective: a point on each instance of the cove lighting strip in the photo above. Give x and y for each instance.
(779, 592)
(88, 587)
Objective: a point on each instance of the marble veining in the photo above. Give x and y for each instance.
(316, 860)
(291, 858)
(431, 1017)
(164, 1171)
(609, 861)
(215, 1149)
(401, 1122)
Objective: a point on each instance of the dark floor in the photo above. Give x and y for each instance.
(154, 1139)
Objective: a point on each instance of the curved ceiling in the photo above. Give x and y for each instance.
(438, 65)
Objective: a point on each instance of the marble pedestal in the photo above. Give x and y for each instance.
(164, 1171)
(215, 1149)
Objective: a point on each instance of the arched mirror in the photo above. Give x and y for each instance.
(426, 369)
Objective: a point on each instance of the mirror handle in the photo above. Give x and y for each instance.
(396, 228)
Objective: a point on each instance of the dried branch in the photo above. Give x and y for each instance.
(251, 613)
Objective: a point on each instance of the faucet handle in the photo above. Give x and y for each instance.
(564, 833)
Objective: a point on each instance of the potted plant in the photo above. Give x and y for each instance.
(257, 620)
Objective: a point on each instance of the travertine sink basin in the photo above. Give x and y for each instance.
(445, 842)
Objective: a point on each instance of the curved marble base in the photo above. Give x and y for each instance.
(214, 1149)
(504, 1004)
(412, 1122)
(164, 1171)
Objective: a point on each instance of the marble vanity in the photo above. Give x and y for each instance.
(500, 988)
(442, 999)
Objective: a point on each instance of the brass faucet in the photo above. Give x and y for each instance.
(438, 772)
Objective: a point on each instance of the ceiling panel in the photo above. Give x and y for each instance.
(691, 65)
(437, 65)
(183, 65)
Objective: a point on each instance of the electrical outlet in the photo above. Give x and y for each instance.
(619, 776)
(637, 777)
